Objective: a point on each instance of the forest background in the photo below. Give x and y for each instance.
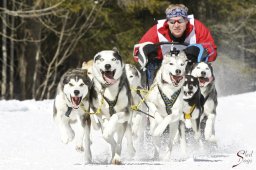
(41, 39)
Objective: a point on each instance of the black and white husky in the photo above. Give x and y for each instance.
(192, 107)
(71, 105)
(111, 99)
(165, 99)
(204, 72)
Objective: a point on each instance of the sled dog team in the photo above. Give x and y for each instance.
(107, 94)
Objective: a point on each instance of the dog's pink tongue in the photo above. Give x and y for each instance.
(202, 80)
(76, 100)
(109, 77)
(177, 78)
(109, 80)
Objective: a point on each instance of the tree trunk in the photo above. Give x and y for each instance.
(4, 55)
(11, 83)
(22, 72)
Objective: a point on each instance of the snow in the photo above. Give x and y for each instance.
(30, 140)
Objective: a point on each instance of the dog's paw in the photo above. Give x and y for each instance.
(79, 148)
(116, 160)
(212, 139)
(87, 160)
(207, 134)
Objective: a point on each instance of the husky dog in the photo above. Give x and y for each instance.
(111, 99)
(165, 99)
(192, 107)
(139, 118)
(204, 72)
(71, 105)
(88, 66)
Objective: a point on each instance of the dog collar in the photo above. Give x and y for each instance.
(68, 112)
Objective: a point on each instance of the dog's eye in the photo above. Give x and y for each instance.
(114, 59)
(198, 67)
(182, 64)
(101, 59)
(131, 76)
(70, 84)
(171, 64)
(207, 68)
(82, 84)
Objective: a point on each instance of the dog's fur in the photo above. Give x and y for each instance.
(192, 108)
(204, 72)
(169, 79)
(88, 66)
(110, 85)
(71, 105)
(139, 119)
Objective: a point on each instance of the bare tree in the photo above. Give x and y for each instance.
(35, 25)
(4, 56)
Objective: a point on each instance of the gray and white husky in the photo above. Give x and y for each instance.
(139, 118)
(111, 99)
(204, 72)
(71, 106)
(165, 99)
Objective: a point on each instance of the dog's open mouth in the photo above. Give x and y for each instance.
(75, 101)
(203, 81)
(108, 76)
(175, 79)
(188, 93)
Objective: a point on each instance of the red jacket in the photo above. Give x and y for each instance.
(203, 35)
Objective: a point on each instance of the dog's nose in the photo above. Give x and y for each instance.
(190, 87)
(178, 71)
(76, 92)
(107, 66)
(203, 73)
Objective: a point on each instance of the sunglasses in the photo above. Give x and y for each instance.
(173, 21)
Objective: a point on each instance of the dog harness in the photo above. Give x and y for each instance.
(188, 115)
(111, 104)
(169, 102)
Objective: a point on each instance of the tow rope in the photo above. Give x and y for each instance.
(136, 107)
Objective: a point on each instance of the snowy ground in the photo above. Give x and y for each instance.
(29, 140)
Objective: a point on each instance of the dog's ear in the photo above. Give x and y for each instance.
(115, 49)
(65, 80)
(86, 78)
(193, 66)
(84, 65)
(118, 56)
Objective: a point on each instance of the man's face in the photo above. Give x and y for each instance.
(177, 26)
